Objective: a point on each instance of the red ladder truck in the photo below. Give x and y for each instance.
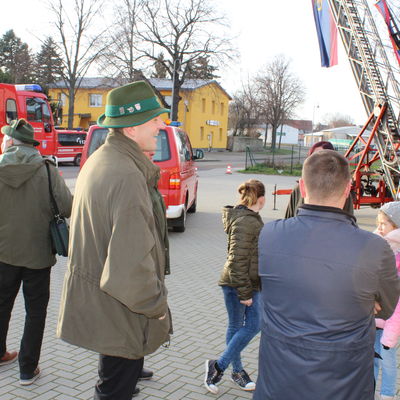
(378, 82)
(29, 102)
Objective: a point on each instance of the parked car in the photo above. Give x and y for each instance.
(178, 182)
(69, 145)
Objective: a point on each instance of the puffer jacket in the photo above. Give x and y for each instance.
(391, 327)
(241, 267)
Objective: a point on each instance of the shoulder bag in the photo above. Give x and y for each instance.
(59, 230)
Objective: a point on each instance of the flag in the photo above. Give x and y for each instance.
(394, 32)
(326, 31)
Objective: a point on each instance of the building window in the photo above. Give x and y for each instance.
(222, 108)
(95, 100)
(202, 133)
(203, 105)
(213, 107)
(220, 134)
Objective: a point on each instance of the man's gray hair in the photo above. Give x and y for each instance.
(6, 138)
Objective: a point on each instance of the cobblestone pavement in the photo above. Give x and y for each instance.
(199, 316)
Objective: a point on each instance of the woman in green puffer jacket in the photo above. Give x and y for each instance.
(240, 284)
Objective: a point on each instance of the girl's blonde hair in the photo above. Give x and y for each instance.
(380, 212)
(250, 191)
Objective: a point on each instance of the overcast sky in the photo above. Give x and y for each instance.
(264, 28)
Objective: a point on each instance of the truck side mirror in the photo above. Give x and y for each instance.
(47, 127)
(198, 155)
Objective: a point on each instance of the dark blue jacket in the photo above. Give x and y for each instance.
(320, 276)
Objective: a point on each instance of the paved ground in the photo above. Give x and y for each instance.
(199, 316)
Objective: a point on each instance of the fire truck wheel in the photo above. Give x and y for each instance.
(77, 160)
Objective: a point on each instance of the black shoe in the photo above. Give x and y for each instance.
(212, 377)
(136, 392)
(145, 375)
(243, 380)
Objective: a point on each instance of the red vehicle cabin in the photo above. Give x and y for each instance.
(28, 102)
(178, 182)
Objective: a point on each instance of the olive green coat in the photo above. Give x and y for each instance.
(114, 289)
(241, 267)
(25, 210)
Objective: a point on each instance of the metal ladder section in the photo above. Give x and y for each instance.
(376, 78)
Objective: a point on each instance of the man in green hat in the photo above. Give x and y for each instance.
(26, 254)
(114, 299)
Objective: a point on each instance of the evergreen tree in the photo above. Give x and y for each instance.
(160, 69)
(201, 69)
(15, 58)
(5, 77)
(48, 64)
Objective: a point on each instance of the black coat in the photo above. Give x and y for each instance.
(320, 276)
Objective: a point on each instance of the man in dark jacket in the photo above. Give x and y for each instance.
(321, 276)
(26, 254)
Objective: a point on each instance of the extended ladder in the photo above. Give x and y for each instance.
(378, 84)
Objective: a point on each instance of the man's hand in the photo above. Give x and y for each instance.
(247, 303)
(163, 317)
(377, 308)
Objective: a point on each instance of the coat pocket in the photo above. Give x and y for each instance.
(156, 333)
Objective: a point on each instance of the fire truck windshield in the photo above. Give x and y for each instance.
(37, 110)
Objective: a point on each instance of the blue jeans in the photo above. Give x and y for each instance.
(243, 325)
(388, 364)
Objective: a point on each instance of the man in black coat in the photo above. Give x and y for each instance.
(321, 276)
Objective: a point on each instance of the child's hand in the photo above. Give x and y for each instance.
(377, 308)
(247, 303)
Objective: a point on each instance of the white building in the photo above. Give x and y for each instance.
(291, 132)
(341, 137)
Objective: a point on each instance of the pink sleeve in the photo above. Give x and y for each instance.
(391, 332)
(398, 262)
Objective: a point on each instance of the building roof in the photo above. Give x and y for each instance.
(88, 83)
(158, 83)
(304, 125)
(352, 130)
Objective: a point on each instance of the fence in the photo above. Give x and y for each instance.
(296, 157)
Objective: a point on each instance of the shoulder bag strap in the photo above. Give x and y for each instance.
(53, 200)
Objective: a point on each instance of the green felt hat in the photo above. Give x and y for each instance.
(130, 105)
(21, 130)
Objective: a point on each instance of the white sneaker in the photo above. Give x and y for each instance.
(28, 380)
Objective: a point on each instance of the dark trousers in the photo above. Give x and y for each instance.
(36, 290)
(117, 378)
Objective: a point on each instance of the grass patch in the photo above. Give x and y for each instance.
(269, 170)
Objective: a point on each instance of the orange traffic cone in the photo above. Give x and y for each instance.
(228, 169)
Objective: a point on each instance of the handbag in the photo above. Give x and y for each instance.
(59, 229)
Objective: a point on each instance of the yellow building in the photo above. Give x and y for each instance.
(203, 109)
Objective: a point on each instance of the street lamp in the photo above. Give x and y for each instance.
(175, 70)
(312, 124)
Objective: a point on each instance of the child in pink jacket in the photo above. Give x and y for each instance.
(388, 332)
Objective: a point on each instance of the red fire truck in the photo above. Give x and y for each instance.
(29, 102)
(70, 145)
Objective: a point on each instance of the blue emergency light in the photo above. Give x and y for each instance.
(30, 87)
(172, 123)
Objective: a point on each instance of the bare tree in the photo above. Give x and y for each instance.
(244, 110)
(78, 50)
(280, 93)
(336, 120)
(119, 57)
(185, 31)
